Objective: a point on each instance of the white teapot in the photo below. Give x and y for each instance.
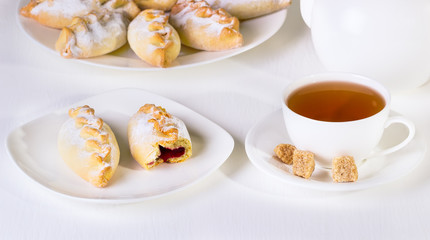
(388, 40)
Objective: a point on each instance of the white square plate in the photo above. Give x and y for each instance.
(33, 146)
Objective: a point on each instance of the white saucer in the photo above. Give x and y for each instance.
(270, 131)
(255, 31)
(33, 146)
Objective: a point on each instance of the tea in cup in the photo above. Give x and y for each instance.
(339, 114)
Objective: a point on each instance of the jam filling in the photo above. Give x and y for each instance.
(167, 153)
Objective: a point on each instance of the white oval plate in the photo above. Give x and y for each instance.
(254, 31)
(33, 146)
(270, 131)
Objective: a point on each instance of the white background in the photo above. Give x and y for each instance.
(237, 201)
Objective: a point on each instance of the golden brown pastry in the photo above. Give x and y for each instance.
(201, 27)
(60, 13)
(93, 35)
(245, 9)
(155, 136)
(88, 146)
(164, 5)
(153, 39)
(57, 13)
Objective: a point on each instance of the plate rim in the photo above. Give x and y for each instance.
(227, 152)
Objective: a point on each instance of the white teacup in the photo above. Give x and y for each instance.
(357, 138)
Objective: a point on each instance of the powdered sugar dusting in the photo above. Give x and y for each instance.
(140, 27)
(66, 8)
(71, 133)
(210, 24)
(144, 131)
(109, 26)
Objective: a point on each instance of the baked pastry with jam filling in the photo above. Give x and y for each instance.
(156, 136)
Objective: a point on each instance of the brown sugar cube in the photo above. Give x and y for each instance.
(285, 152)
(303, 163)
(344, 169)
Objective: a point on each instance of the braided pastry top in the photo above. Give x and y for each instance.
(162, 121)
(96, 139)
(202, 10)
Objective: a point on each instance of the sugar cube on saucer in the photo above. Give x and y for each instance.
(344, 169)
(303, 163)
(285, 152)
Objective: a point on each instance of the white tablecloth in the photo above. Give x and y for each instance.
(235, 202)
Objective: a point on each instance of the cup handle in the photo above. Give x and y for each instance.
(306, 7)
(405, 122)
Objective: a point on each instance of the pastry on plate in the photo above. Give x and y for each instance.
(153, 39)
(201, 27)
(60, 13)
(88, 146)
(156, 136)
(245, 9)
(92, 35)
(57, 13)
(164, 5)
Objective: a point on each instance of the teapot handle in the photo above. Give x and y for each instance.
(306, 7)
